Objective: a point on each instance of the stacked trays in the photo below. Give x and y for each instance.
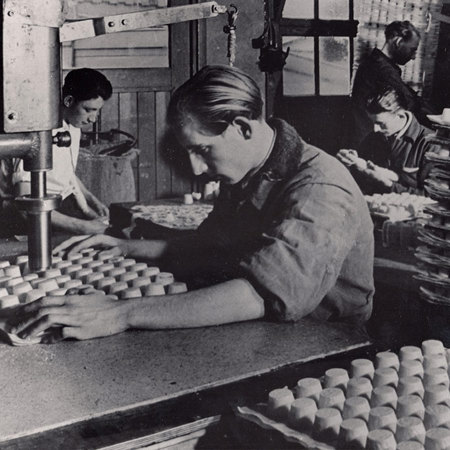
(434, 252)
(399, 401)
(89, 272)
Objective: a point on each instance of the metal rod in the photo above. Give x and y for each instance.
(17, 145)
(39, 241)
(38, 184)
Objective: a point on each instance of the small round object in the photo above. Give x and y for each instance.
(85, 261)
(353, 433)
(47, 285)
(437, 416)
(71, 270)
(411, 368)
(410, 352)
(150, 272)
(117, 287)
(332, 398)
(387, 359)
(362, 368)
(382, 417)
(116, 272)
(21, 289)
(327, 424)
(141, 282)
(105, 282)
(154, 289)
(437, 439)
(72, 284)
(410, 445)
(302, 413)
(30, 276)
(74, 257)
(359, 387)
(356, 408)
(410, 429)
(83, 274)
(188, 199)
(57, 292)
(62, 279)
(34, 294)
(385, 376)
(132, 292)
(128, 277)
(127, 263)
(4, 264)
(308, 387)
(384, 396)
(9, 300)
(410, 385)
(105, 268)
(431, 362)
(437, 394)
(12, 271)
(432, 347)
(410, 405)
(61, 265)
(381, 440)
(93, 277)
(435, 376)
(138, 268)
(164, 278)
(336, 378)
(279, 402)
(177, 287)
(94, 265)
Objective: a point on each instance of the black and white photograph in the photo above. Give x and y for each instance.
(225, 226)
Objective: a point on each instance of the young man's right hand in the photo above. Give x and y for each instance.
(94, 226)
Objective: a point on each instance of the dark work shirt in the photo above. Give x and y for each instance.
(376, 70)
(299, 230)
(404, 155)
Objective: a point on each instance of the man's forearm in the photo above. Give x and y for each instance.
(151, 249)
(232, 301)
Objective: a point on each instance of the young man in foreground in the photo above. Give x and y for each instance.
(290, 234)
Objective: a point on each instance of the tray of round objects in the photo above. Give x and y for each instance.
(441, 157)
(435, 294)
(434, 236)
(399, 401)
(87, 272)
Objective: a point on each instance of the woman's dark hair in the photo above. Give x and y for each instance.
(85, 84)
(213, 97)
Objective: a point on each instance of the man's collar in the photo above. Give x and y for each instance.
(411, 130)
(282, 163)
(378, 54)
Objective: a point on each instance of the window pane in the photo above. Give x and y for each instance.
(299, 9)
(334, 66)
(298, 73)
(129, 49)
(334, 9)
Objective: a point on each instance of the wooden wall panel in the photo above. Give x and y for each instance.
(163, 171)
(146, 144)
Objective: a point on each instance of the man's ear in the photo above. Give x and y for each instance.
(68, 101)
(244, 126)
(397, 41)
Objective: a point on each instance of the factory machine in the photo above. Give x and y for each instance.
(32, 32)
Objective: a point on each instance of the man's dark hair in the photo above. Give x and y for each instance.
(404, 29)
(385, 99)
(213, 97)
(86, 84)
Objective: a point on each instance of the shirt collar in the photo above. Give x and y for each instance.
(282, 163)
(411, 130)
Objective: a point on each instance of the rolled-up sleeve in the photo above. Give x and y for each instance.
(302, 253)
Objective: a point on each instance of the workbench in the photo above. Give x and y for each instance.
(166, 389)
(148, 385)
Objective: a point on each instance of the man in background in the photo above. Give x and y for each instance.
(391, 157)
(84, 94)
(380, 68)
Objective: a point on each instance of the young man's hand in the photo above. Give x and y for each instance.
(350, 158)
(93, 226)
(384, 176)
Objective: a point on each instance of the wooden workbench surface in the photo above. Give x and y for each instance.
(44, 387)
